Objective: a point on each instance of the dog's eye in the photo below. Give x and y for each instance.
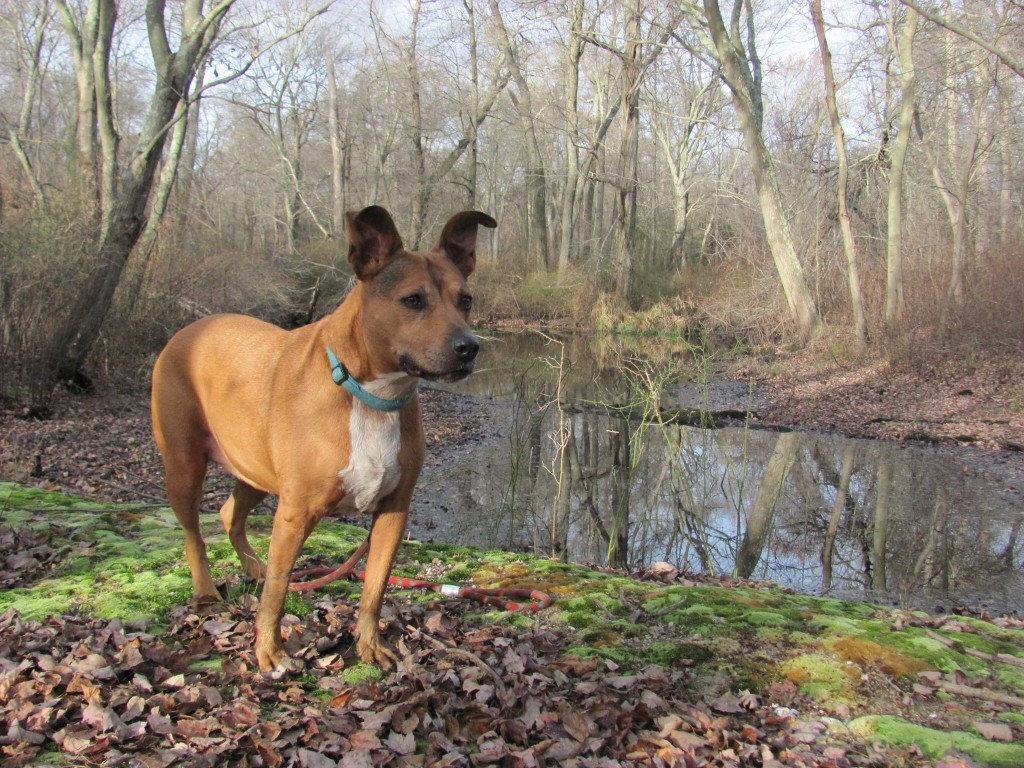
(414, 301)
(465, 302)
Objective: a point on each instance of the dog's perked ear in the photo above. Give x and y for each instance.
(373, 239)
(458, 238)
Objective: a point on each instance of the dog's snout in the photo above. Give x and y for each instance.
(465, 346)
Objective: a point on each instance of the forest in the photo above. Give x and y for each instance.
(813, 558)
(767, 169)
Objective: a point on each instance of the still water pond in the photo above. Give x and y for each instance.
(562, 473)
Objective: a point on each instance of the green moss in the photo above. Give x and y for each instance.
(915, 642)
(297, 605)
(508, 619)
(840, 625)
(989, 645)
(669, 654)
(1009, 634)
(1011, 677)
(141, 595)
(621, 655)
(896, 732)
(362, 673)
(823, 678)
(697, 610)
(765, 619)
(599, 604)
(458, 574)
(1014, 718)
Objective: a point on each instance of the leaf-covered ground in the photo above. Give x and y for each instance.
(976, 400)
(103, 662)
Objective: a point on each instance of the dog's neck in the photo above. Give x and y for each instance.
(354, 355)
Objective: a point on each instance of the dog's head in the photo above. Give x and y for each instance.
(416, 305)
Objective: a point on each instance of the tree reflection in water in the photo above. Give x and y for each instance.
(574, 479)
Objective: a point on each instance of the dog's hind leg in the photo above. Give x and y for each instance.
(233, 514)
(186, 471)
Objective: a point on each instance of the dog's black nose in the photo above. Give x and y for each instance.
(465, 346)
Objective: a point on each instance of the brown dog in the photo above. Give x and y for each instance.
(267, 405)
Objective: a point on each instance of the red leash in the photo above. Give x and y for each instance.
(495, 597)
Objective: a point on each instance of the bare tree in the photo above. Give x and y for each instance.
(683, 131)
(282, 94)
(736, 50)
(903, 45)
(430, 168)
(85, 36)
(30, 41)
(957, 144)
(849, 247)
(337, 130)
(536, 173)
(573, 55)
(1006, 57)
(126, 183)
(636, 55)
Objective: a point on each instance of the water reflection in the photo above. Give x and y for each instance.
(822, 514)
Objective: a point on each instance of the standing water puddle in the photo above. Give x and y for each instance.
(562, 473)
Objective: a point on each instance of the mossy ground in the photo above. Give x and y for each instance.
(854, 661)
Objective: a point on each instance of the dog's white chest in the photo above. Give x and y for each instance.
(373, 470)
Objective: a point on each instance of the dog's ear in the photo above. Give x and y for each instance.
(372, 240)
(458, 238)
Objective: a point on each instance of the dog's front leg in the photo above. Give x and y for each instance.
(288, 536)
(385, 537)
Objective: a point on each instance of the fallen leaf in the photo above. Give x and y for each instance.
(727, 704)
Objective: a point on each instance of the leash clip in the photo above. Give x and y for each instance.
(339, 373)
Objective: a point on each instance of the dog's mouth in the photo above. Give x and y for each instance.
(413, 368)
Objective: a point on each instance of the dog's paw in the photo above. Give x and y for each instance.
(274, 662)
(372, 651)
(285, 667)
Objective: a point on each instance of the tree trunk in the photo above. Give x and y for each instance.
(741, 71)
(629, 149)
(82, 39)
(419, 197)
(572, 139)
(474, 127)
(125, 215)
(621, 474)
(15, 134)
(908, 83)
(849, 247)
(338, 149)
(535, 172)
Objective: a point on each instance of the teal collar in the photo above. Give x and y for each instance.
(342, 378)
